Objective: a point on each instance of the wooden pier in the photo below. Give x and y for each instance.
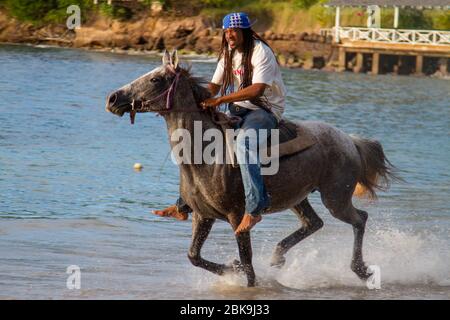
(380, 50)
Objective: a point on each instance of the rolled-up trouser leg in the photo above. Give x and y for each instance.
(256, 198)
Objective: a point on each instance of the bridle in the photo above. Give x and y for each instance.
(169, 94)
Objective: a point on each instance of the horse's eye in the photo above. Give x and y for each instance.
(155, 80)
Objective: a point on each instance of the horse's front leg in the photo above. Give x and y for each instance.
(200, 231)
(245, 251)
(245, 254)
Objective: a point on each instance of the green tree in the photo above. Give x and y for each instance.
(43, 11)
(410, 18)
(305, 4)
(441, 21)
(30, 10)
(115, 12)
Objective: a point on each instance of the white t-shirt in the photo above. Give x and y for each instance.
(265, 70)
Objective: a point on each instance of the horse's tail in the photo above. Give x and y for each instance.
(377, 170)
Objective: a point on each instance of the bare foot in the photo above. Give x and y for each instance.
(171, 212)
(247, 222)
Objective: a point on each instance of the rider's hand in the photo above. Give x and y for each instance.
(210, 103)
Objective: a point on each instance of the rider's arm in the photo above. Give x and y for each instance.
(249, 93)
(213, 88)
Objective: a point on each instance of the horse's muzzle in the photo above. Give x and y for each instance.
(117, 104)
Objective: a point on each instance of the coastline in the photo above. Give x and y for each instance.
(192, 36)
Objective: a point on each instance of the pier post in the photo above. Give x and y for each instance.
(359, 62)
(337, 24)
(419, 64)
(342, 57)
(375, 63)
(396, 17)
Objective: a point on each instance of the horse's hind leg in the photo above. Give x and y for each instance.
(200, 231)
(343, 209)
(358, 266)
(310, 224)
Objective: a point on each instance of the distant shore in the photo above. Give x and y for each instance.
(191, 36)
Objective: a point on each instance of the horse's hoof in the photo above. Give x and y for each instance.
(361, 271)
(238, 267)
(278, 262)
(234, 267)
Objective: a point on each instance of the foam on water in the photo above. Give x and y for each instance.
(408, 261)
(404, 258)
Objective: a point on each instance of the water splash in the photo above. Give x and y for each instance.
(404, 257)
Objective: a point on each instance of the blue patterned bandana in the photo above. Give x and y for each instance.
(236, 20)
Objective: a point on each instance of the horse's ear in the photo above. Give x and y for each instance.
(174, 59)
(166, 58)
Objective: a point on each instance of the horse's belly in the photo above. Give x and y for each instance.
(297, 177)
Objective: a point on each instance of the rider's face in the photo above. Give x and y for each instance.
(235, 38)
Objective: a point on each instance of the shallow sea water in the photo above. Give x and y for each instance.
(69, 194)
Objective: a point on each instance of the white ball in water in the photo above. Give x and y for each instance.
(138, 166)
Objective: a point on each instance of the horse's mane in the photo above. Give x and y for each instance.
(201, 93)
(198, 85)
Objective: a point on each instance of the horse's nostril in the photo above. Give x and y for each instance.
(112, 99)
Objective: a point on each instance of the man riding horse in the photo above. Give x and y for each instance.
(334, 165)
(250, 83)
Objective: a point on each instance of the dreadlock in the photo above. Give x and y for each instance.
(248, 45)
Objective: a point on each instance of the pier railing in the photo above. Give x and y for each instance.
(401, 36)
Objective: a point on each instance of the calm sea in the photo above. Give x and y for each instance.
(69, 194)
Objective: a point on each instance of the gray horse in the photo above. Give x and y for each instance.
(334, 166)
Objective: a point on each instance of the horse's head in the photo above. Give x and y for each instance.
(168, 88)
